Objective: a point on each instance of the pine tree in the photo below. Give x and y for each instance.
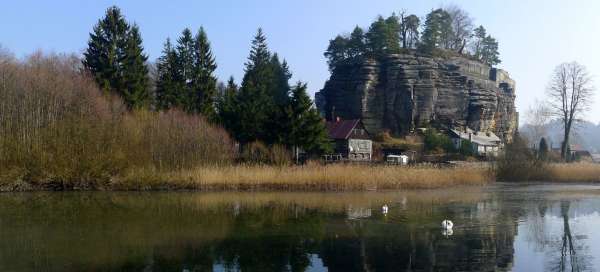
(356, 43)
(168, 85)
(337, 52)
(204, 82)
(106, 51)
(490, 54)
(227, 107)
(282, 75)
(254, 101)
(479, 35)
(307, 129)
(185, 65)
(438, 31)
(135, 72)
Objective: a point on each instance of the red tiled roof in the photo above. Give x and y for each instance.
(341, 129)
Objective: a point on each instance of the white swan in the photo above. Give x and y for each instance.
(447, 224)
(384, 209)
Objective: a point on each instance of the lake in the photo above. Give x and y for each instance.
(501, 227)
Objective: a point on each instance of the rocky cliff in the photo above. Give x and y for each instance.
(403, 92)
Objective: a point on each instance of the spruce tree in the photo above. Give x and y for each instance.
(282, 75)
(135, 72)
(227, 107)
(307, 129)
(254, 101)
(168, 85)
(185, 65)
(204, 83)
(115, 58)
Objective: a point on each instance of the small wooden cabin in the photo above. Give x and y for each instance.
(351, 139)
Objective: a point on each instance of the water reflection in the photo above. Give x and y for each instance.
(499, 228)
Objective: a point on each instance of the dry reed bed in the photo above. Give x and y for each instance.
(574, 172)
(308, 178)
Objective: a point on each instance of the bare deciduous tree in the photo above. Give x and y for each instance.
(462, 27)
(570, 94)
(537, 118)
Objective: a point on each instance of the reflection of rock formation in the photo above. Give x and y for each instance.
(408, 91)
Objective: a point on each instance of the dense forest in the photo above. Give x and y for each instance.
(445, 31)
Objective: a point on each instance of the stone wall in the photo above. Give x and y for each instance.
(404, 92)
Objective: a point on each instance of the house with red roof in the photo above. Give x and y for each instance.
(351, 139)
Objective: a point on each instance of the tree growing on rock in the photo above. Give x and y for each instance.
(409, 30)
(462, 27)
(437, 32)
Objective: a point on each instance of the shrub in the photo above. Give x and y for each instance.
(259, 153)
(519, 163)
(436, 142)
(58, 129)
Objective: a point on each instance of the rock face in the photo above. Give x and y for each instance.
(404, 92)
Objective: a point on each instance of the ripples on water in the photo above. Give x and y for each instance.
(497, 228)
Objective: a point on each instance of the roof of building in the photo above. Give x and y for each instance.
(341, 129)
(478, 137)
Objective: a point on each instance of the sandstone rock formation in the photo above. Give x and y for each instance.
(403, 92)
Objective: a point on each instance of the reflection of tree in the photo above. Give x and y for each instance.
(572, 257)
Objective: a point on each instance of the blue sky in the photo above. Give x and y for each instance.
(534, 36)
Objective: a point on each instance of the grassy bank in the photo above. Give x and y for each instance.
(573, 172)
(308, 178)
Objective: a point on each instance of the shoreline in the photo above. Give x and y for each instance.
(309, 178)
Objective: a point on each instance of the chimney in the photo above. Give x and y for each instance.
(470, 137)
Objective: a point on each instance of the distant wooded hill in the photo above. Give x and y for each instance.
(586, 135)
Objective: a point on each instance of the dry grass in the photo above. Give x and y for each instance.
(574, 172)
(308, 178)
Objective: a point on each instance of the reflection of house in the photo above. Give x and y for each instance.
(351, 139)
(483, 143)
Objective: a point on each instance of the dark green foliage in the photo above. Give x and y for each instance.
(466, 148)
(384, 36)
(307, 129)
(169, 81)
(254, 101)
(436, 142)
(446, 32)
(186, 75)
(437, 31)
(227, 106)
(337, 51)
(543, 150)
(356, 44)
(409, 29)
(282, 76)
(115, 59)
(204, 83)
(519, 163)
(135, 72)
(485, 47)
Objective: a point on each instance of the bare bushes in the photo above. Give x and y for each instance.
(519, 163)
(57, 129)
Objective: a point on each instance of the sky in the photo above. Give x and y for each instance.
(534, 36)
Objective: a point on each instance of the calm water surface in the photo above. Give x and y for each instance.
(497, 228)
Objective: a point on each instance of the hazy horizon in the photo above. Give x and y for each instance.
(534, 36)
